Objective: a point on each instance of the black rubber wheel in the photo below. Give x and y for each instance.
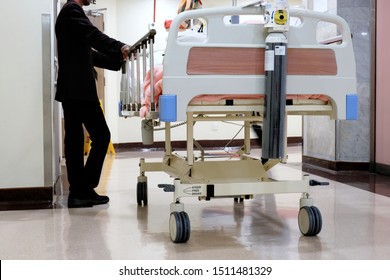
(176, 227)
(318, 220)
(179, 227)
(186, 227)
(142, 193)
(306, 221)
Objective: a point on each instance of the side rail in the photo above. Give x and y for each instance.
(134, 71)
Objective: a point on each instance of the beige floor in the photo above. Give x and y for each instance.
(356, 223)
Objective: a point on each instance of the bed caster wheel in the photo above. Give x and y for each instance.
(179, 227)
(309, 220)
(239, 200)
(142, 193)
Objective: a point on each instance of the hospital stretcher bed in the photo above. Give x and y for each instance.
(220, 76)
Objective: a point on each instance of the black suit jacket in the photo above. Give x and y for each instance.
(80, 47)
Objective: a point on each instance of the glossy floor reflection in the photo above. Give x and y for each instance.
(356, 222)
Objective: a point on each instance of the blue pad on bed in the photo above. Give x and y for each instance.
(167, 107)
(352, 107)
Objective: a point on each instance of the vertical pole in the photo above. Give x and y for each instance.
(247, 136)
(275, 96)
(154, 10)
(133, 83)
(168, 143)
(151, 62)
(124, 92)
(138, 93)
(190, 138)
(144, 66)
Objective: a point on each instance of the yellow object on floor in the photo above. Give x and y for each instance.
(87, 144)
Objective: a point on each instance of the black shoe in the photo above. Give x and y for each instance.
(97, 199)
(88, 199)
(79, 202)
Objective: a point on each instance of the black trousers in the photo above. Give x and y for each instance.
(84, 176)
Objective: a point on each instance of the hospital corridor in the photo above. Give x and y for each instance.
(354, 210)
(235, 131)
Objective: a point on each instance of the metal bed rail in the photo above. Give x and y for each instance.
(132, 79)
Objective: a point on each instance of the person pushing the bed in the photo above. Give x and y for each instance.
(81, 46)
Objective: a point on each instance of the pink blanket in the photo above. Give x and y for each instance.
(158, 73)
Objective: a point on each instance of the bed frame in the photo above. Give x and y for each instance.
(229, 61)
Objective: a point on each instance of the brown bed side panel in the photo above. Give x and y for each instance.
(250, 61)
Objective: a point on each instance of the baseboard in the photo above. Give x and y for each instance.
(309, 163)
(26, 198)
(207, 144)
(382, 169)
